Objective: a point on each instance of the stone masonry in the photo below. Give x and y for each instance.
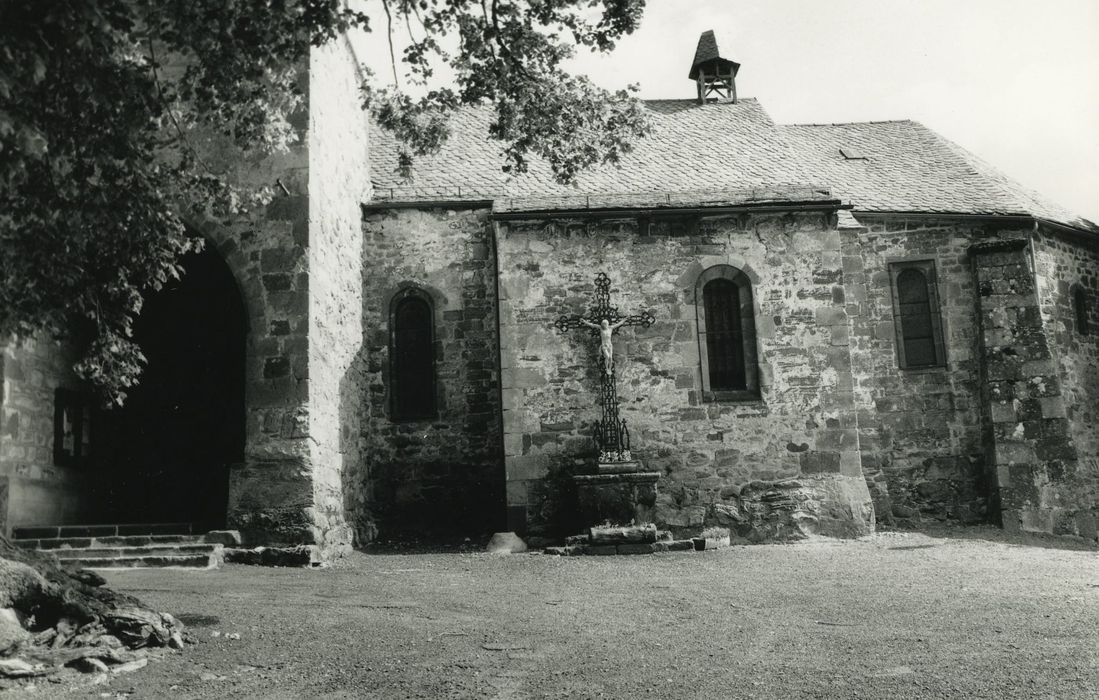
(920, 430)
(441, 476)
(1038, 481)
(776, 467)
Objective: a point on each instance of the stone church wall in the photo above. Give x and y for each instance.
(1040, 484)
(920, 430)
(339, 182)
(769, 468)
(270, 492)
(441, 476)
(298, 264)
(1062, 265)
(34, 490)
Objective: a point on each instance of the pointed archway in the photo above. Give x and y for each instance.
(167, 453)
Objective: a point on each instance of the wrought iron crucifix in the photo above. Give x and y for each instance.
(612, 437)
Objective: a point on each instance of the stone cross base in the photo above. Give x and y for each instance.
(620, 498)
(618, 467)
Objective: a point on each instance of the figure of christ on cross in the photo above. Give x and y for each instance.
(606, 346)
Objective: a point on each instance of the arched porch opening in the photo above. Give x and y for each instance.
(166, 454)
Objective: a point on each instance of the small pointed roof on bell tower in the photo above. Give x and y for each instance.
(708, 58)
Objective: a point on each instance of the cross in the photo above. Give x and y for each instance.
(611, 434)
(603, 320)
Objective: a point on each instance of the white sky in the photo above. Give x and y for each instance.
(1014, 81)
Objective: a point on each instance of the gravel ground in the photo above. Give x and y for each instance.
(965, 613)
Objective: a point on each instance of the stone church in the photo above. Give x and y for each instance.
(851, 324)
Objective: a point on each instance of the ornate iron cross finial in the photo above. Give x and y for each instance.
(611, 435)
(602, 309)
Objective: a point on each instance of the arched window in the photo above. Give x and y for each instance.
(412, 356)
(916, 315)
(726, 334)
(1080, 306)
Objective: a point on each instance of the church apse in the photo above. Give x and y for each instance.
(772, 463)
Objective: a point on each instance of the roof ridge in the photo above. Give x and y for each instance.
(872, 121)
(695, 99)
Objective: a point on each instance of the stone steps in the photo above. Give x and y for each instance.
(42, 532)
(193, 561)
(129, 545)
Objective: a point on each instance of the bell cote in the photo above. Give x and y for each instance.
(715, 76)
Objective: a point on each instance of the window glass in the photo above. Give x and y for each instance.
(413, 362)
(916, 315)
(916, 320)
(724, 335)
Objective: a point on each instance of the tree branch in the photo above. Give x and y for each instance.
(389, 36)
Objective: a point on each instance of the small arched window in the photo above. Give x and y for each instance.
(412, 356)
(1080, 306)
(726, 334)
(916, 315)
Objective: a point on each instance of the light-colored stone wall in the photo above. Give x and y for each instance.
(920, 430)
(339, 183)
(711, 453)
(33, 490)
(443, 476)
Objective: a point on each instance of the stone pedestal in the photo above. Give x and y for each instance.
(619, 492)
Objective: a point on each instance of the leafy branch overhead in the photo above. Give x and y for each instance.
(510, 53)
(103, 105)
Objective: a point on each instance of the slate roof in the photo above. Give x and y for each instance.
(691, 147)
(906, 167)
(731, 149)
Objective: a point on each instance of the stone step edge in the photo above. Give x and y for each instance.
(206, 561)
(223, 537)
(45, 532)
(67, 555)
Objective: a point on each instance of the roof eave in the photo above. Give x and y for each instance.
(669, 211)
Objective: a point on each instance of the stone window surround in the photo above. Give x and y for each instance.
(926, 265)
(743, 280)
(405, 291)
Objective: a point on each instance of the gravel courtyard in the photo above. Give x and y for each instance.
(967, 613)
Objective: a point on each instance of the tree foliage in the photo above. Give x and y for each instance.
(100, 101)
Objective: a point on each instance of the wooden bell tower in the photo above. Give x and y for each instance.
(715, 76)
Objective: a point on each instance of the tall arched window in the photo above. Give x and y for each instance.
(916, 315)
(412, 356)
(726, 334)
(1080, 306)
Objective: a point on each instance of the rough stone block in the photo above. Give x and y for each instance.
(505, 543)
(631, 534)
(229, 538)
(636, 548)
(601, 549)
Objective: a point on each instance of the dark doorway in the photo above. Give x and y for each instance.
(166, 453)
